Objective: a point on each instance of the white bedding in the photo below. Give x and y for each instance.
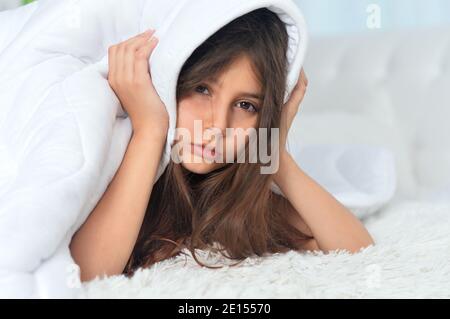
(63, 132)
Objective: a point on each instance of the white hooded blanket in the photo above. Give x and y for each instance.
(63, 132)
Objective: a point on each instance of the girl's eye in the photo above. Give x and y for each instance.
(201, 89)
(248, 106)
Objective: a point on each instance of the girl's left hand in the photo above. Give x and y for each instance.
(291, 108)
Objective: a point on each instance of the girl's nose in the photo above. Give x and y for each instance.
(219, 116)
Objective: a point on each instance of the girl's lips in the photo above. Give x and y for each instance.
(204, 152)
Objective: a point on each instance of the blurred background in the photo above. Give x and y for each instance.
(10, 4)
(333, 17)
(327, 17)
(379, 75)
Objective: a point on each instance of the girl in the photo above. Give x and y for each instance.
(235, 79)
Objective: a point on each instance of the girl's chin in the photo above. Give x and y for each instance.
(200, 168)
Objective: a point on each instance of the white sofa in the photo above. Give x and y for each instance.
(386, 89)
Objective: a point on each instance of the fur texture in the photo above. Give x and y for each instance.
(409, 260)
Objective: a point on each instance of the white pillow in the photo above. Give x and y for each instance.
(345, 128)
(363, 178)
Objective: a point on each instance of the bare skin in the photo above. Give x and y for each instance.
(103, 244)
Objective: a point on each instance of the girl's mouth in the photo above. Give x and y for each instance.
(202, 151)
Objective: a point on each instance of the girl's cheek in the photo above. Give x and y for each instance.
(193, 108)
(188, 113)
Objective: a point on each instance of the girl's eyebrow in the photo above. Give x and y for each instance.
(244, 94)
(250, 94)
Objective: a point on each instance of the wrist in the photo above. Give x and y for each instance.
(150, 125)
(284, 157)
(153, 133)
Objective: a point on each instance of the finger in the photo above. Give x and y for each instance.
(297, 93)
(302, 83)
(130, 48)
(294, 101)
(128, 63)
(133, 42)
(111, 62)
(142, 69)
(293, 104)
(146, 34)
(303, 77)
(141, 37)
(140, 40)
(119, 61)
(142, 59)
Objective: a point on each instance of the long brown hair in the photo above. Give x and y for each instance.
(232, 206)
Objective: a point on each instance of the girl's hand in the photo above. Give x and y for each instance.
(130, 79)
(291, 108)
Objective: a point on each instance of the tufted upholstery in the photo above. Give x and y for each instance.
(384, 89)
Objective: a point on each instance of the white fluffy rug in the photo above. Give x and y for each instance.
(411, 259)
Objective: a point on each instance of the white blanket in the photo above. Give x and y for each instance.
(63, 132)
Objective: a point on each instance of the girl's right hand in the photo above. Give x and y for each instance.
(130, 79)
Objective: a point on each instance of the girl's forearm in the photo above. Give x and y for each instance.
(105, 241)
(332, 225)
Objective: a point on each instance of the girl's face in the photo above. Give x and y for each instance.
(231, 101)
